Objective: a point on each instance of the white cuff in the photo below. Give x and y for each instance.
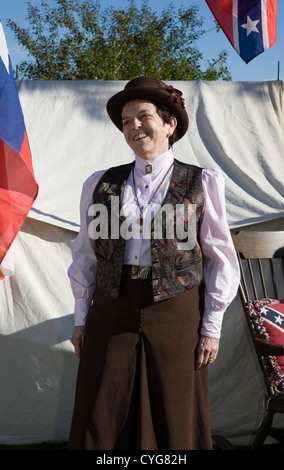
(212, 323)
(82, 307)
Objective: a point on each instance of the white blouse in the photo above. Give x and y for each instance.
(220, 266)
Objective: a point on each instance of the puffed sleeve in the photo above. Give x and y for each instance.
(83, 269)
(221, 269)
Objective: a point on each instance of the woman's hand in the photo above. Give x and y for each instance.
(207, 351)
(77, 339)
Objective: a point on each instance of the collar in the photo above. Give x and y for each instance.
(159, 163)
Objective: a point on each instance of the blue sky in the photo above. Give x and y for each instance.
(264, 67)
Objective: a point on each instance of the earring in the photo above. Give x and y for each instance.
(169, 135)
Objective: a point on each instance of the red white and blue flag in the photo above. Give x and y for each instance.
(18, 188)
(250, 25)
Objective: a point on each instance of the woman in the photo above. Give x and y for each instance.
(149, 309)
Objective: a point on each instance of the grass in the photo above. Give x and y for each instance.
(63, 446)
(40, 446)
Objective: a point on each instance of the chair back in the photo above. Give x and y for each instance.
(261, 260)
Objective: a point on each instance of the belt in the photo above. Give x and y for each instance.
(136, 272)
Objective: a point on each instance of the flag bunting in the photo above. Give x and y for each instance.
(250, 25)
(18, 187)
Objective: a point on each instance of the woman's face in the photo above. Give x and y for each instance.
(144, 130)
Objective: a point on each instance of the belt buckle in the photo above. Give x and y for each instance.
(134, 270)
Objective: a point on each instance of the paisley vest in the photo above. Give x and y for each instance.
(174, 270)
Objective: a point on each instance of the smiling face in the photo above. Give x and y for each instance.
(144, 130)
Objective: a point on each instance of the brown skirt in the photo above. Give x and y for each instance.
(136, 385)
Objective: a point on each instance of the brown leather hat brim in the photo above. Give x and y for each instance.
(116, 103)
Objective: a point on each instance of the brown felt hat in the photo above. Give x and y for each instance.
(154, 90)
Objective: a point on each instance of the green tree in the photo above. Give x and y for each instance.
(75, 40)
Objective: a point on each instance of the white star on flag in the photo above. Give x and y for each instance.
(278, 320)
(250, 26)
(263, 311)
(4, 54)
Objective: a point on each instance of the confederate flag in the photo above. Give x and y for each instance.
(250, 25)
(18, 188)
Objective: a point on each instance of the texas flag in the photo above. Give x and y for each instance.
(18, 188)
(250, 25)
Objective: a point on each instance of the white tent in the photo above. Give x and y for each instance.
(237, 127)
